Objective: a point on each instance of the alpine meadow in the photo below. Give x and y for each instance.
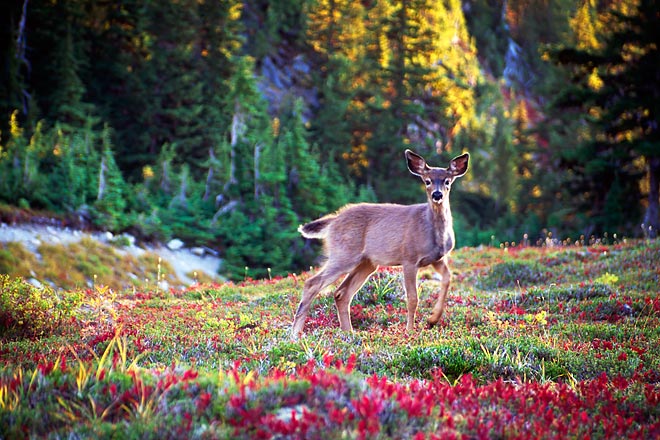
(159, 158)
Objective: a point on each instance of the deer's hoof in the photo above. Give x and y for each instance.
(430, 323)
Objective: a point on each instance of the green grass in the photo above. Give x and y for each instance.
(575, 328)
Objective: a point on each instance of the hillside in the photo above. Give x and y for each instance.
(550, 342)
(65, 258)
(227, 124)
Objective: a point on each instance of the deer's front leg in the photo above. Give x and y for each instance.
(410, 285)
(443, 269)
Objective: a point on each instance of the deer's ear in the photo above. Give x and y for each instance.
(459, 165)
(416, 163)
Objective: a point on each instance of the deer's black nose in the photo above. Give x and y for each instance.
(436, 196)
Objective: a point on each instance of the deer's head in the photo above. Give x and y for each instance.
(437, 180)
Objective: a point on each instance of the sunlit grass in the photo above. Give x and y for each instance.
(83, 264)
(16, 260)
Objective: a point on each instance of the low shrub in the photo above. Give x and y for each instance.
(385, 288)
(26, 311)
(514, 273)
(16, 260)
(539, 296)
(452, 360)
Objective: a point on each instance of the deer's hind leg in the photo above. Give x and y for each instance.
(313, 286)
(347, 289)
(443, 269)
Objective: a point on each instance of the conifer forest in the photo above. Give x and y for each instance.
(228, 123)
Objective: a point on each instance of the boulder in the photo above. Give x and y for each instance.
(175, 244)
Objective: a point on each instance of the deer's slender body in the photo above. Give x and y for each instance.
(359, 238)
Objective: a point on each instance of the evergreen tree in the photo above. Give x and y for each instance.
(336, 33)
(271, 25)
(69, 108)
(429, 73)
(14, 94)
(13, 157)
(171, 76)
(308, 185)
(618, 85)
(24, 167)
(167, 83)
(109, 208)
(487, 24)
(247, 220)
(119, 44)
(55, 33)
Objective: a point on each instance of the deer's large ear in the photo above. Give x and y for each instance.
(416, 163)
(459, 165)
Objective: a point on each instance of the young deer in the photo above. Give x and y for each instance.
(359, 238)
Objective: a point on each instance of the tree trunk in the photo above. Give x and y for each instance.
(102, 171)
(257, 173)
(651, 222)
(183, 188)
(21, 44)
(237, 131)
(209, 176)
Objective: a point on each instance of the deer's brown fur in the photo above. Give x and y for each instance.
(359, 238)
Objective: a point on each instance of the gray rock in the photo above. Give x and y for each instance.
(35, 282)
(199, 251)
(175, 244)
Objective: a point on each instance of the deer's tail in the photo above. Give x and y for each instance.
(317, 228)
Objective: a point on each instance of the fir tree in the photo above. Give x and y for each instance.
(14, 93)
(618, 85)
(109, 208)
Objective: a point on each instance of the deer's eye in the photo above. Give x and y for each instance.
(447, 182)
(427, 182)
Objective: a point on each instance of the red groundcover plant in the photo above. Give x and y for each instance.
(314, 401)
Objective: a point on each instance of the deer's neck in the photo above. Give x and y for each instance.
(442, 224)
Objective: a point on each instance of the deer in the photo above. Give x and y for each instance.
(361, 237)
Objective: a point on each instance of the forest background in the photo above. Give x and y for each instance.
(228, 123)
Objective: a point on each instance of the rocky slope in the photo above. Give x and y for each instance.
(25, 250)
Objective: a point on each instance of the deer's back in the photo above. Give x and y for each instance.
(386, 234)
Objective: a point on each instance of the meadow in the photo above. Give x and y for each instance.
(536, 342)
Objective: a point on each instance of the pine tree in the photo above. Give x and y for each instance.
(74, 175)
(119, 45)
(336, 32)
(272, 25)
(172, 77)
(617, 84)
(161, 75)
(69, 108)
(488, 26)
(13, 158)
(429, 73)
(109, 208)
(14, 93)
